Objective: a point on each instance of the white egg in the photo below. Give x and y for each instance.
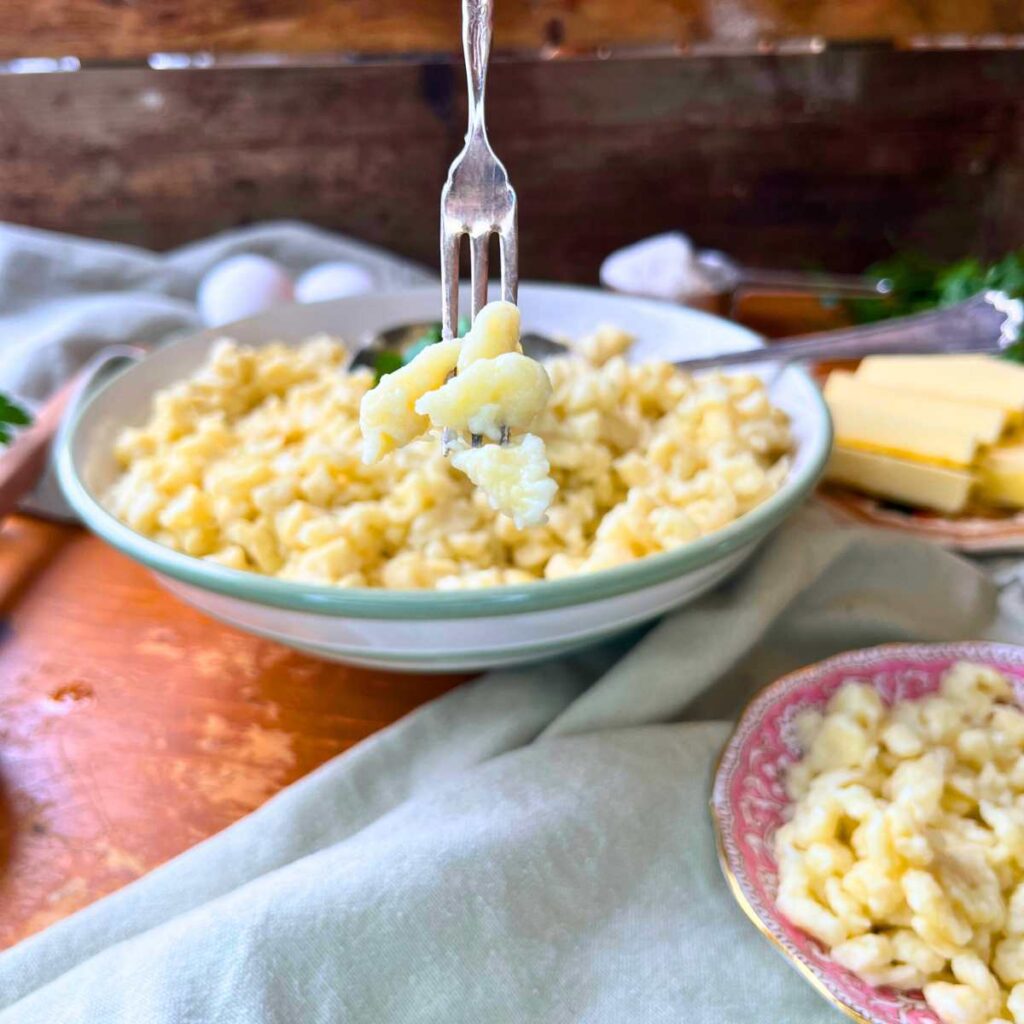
(242, 286)
(333, 281)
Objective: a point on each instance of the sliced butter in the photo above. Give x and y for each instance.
(909, 483)
(1001, 476)
(909, 426)
(969, 378)
(985, 423)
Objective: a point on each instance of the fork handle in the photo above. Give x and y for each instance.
(477, 28)
(986, 323)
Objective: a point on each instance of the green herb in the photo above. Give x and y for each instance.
(386, 362)
(11, 416)
(919, 284)
(432, 337)
(416, 348)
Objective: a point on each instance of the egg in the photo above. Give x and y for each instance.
(242, 286)
(333, 280)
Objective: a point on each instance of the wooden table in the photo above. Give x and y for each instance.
(132, 727)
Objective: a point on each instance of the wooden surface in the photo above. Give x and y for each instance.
(109, 28)
(826, 160)
(131, 726)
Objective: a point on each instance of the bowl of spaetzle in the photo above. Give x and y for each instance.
(232, 463)
(870, 820)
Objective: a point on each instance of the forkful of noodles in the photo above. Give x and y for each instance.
(480, 392)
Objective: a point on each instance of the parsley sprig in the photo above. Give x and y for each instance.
(388, 360)
(919, 284)
(11, 416)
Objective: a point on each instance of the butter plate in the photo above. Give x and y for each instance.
(988, 532)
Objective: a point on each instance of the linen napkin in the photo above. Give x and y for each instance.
(533, 847)
(62, 298)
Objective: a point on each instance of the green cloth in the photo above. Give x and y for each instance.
(533, 847)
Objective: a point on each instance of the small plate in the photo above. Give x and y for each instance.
(749, 801)
(980, 532)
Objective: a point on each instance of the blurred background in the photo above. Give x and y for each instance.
(802, 133)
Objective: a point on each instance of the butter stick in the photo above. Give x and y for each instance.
(910, 426)
(909, 483)
(969, 378)
(1001, 476)
(985, 423)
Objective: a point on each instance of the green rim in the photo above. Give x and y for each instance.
(370, 603)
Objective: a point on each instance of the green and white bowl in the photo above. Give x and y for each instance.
(429, 631)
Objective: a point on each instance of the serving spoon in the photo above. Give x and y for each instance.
(988, 322)
(666, 267)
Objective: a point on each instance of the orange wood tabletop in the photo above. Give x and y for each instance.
(132, 726)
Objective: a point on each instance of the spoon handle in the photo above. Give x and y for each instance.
(24, 462)
(842, 286)
(988, 322)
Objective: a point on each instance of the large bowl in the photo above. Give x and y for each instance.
(425, 631)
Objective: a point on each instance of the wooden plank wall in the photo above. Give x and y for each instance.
(823, 160)
(122, 29)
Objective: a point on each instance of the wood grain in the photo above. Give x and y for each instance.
(101, 28)
(825, 161)
(131, 727)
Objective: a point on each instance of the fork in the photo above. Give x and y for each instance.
(477, 199)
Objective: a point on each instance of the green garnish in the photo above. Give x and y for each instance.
(386, 362)
(919, 284)
(11, 415)
(416, 348)
(432, 337)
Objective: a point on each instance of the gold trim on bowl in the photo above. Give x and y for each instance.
(972, 649)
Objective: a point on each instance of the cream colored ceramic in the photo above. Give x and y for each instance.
(423, 630)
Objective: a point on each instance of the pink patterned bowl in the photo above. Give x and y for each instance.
(749, 801)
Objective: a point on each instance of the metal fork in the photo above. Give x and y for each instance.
(477, 199)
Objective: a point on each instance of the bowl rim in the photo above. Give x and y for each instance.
(377, 603)
(987, 651)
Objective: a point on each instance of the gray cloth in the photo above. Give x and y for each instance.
(532, 847)
(62, 298)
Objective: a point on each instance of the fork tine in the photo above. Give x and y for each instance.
(480, 254)
(509, 244)
(450, 245)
